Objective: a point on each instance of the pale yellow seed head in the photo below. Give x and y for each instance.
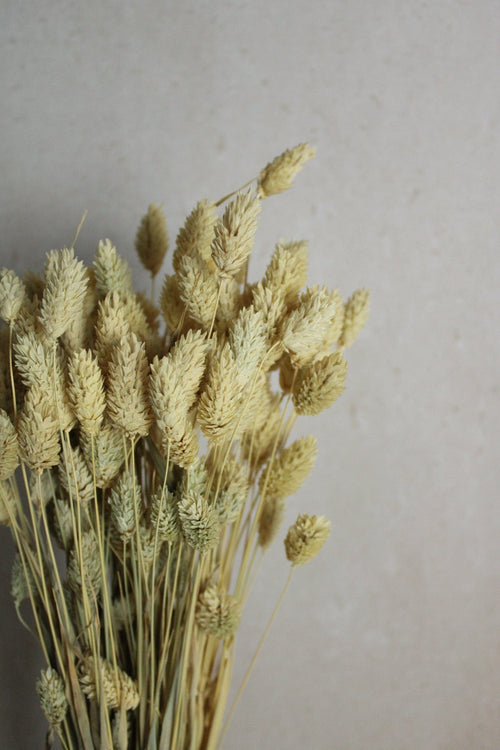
(285, 474)
(151, 242)
(12, 293)
(8, 447)
(305, 538)
(197, 234)
(234, 234)
(356, 314)
(279, 174)
(127, 396)
(118, 688)
(50, 689)
(112, 272)
(86, 391)
(63, 296)
(319, 384)
(217, 612)
(38, 432)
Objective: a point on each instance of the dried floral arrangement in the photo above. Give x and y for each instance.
(145, 462)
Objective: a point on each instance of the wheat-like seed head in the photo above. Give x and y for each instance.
(38, 432)
(305, 538)
(164, 516)
(64, 292)
(12, 293)
(279, 174)
(234, 234)
(112, 272)
(356, 314)
(319, 384)
(118, 688)
(86, 391)
(76, 477)
(127, 395)
(271, 517)
(125, 501)
(151, 241)
(8, 447)
(289, 469)
(199, 522)
(217, 612)
(196, 235)
(50, 689)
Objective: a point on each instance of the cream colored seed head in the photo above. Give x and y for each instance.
(305, 328)
(63, 296)
(151, 241)
(217, 612)
(171, 305)
(22, 584)
(285, 474)
(111, 326)
(305, 538)
(8, 446)
(319, 384)
(179, 441)
(50, 689)
(199, 522)
(248, 337)
(197, 234)
(112, 272)
(86, 391)
(92, 572)
(287, 271)
(12, 293)
(356, 315)
(197, 289)
(221, 398)
(118, 688)
(125, 502)
(8, 505)
(164, 516)
(234, 234)
(271, 518)
(127, 396)
(76, 477)
(38, 432)
(279, 174)
(108, 453)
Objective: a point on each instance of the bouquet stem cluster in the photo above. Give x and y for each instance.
(145, 461)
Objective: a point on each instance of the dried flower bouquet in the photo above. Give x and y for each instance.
(151, 446)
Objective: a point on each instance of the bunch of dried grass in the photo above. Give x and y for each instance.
(102, 417)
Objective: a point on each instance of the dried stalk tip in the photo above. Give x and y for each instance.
(50, 689)
(279, 174)
(217, 612)
(305, 538)
(151, 242)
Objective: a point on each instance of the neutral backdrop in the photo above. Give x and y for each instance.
(390, 639)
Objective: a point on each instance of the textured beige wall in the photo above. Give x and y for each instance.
(391, 640)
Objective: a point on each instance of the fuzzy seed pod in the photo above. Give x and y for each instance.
(356, 315)
(38, 432)
(319, 384)
(220, 400)
(197, 290)
(125, 501)
(171, 305)
(76, 477)
(305, 538)
(305, 328)
(112, 272)
(151, 242)
(217, 612)
(248, 341)
(22, 584)
(86, 390)
(108, 453)
(279, 174)
(64, 292)
(285, 475)
(118, 689)
(91, 567)
(111, 327)
(196, 235)
(12, 293)
(234, 234)
(164, 516)
(286, 274)
(61, 523)
(50, 689)
(199, 522)
(8, 503)
(8, 446)
(271, 518)
(128, 401)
